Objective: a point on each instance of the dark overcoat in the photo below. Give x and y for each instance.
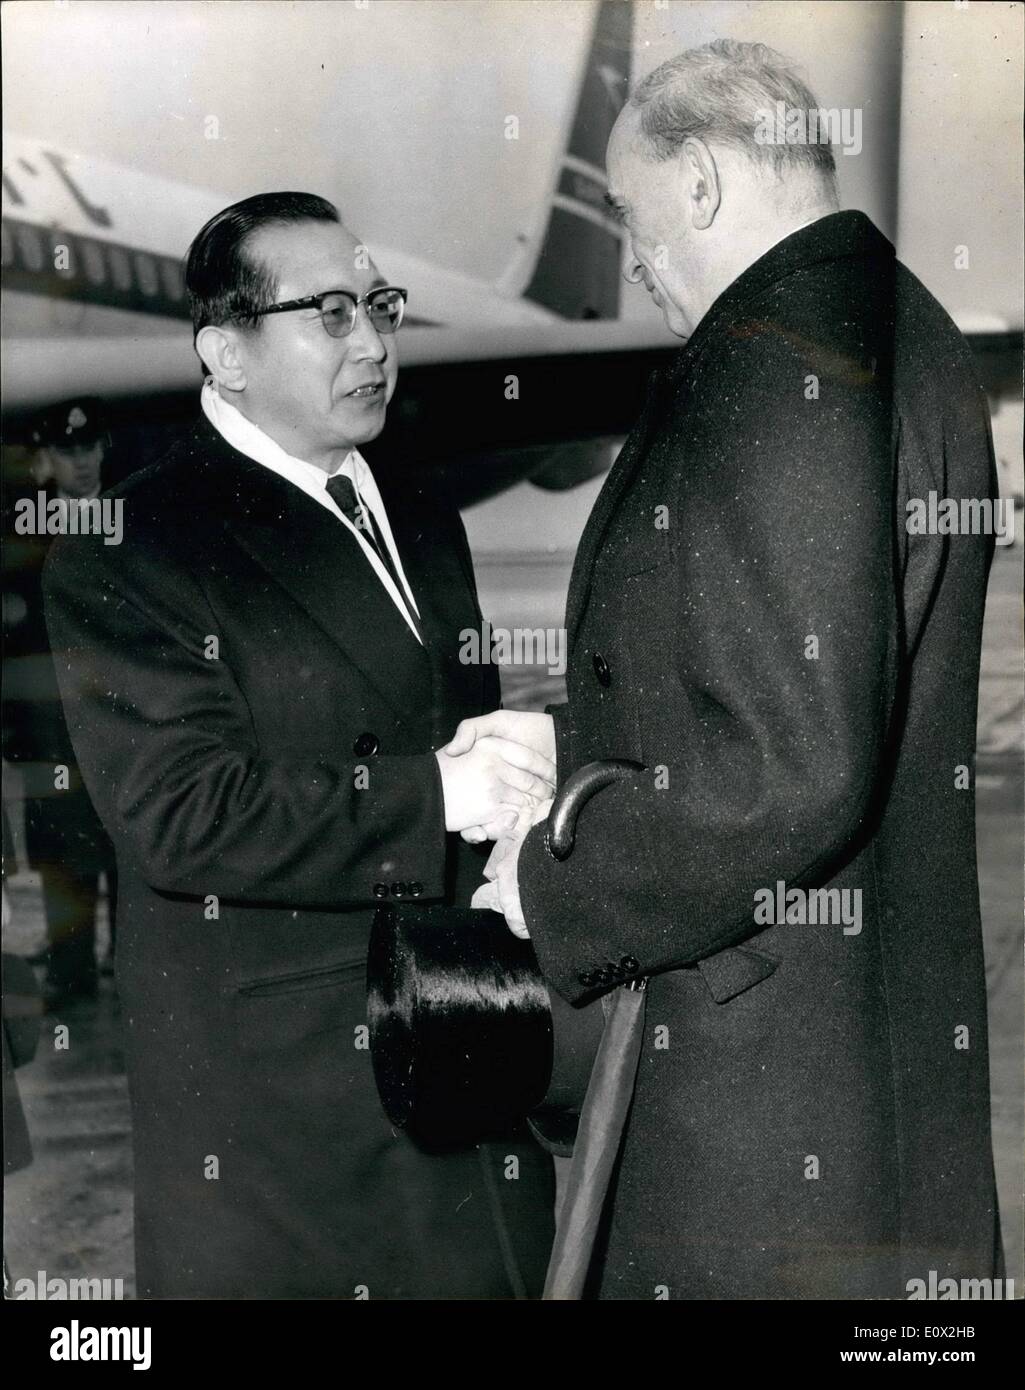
(750, 618)
(255, 723)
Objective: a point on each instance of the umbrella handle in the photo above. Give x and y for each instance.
(573, 795)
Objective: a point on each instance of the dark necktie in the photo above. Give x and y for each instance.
(342, 491)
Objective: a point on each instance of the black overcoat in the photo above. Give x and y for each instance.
(751, 620)
(255, 723)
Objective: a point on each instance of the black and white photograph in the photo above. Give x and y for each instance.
(513, 705)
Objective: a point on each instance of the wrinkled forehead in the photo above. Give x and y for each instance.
(310, 257)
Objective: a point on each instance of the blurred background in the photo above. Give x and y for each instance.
(463, 140)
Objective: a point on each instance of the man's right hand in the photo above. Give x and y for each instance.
(533, 730)
(492, 781)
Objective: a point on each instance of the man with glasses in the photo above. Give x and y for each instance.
(263, 675)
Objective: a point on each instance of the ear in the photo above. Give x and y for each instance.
(701, 174)
(219, 350)
(41, 467)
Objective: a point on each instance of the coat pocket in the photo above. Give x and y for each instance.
(735, 970)
(299, 1030)
(301, 980)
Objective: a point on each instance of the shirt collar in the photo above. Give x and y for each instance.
(256, 444)
(836, 236)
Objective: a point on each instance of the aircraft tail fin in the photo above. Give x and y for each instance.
(573, 266)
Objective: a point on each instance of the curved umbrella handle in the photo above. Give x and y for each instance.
(572, 796)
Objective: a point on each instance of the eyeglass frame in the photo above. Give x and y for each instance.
(316, 301)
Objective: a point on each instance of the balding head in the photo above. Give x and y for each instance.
(701, 191)
(721, 94)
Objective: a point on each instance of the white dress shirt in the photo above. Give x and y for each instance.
(249, 439)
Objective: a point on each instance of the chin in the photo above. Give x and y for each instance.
(368, 430)
(676, 323)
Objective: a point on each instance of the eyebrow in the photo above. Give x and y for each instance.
(378, 283)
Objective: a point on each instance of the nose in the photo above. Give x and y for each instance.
(364, 341)
(633, 271)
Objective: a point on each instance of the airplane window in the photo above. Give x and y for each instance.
(92, 255)
(6, 245)
(30, 245)
(146, 273)
(171, 274)
(121, 268)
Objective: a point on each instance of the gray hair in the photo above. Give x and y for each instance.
(723, 92)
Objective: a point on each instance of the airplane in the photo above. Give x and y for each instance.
(94, 304)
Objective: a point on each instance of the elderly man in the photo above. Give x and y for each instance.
(750, 619)
(256, 682)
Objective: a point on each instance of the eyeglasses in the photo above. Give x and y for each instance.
(384, 307)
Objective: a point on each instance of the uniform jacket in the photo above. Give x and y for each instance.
(750, 619)
(61, 825)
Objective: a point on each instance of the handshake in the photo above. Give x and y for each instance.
(498, 779)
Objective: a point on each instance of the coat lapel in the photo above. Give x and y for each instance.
(442, 588)
(623, 470)
(839, 234)
(321, 566)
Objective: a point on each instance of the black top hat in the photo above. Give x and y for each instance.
(466, 1039)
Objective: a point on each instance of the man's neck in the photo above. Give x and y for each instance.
(329, 460)
(749, 243)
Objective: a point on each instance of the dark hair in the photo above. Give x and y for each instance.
(722, 91)
(224, 283)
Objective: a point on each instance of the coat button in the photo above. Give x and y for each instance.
(601, 669)
(630, 963)
(398, 890)
(380, 890)
(415, 889)
(366, 745)
(587, 978)
(602, 977)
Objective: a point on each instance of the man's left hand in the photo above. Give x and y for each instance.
(502, 892)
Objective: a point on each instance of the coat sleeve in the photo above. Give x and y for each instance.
(771, 714)
(170, 755)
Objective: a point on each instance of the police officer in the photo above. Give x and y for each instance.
(65, 842)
